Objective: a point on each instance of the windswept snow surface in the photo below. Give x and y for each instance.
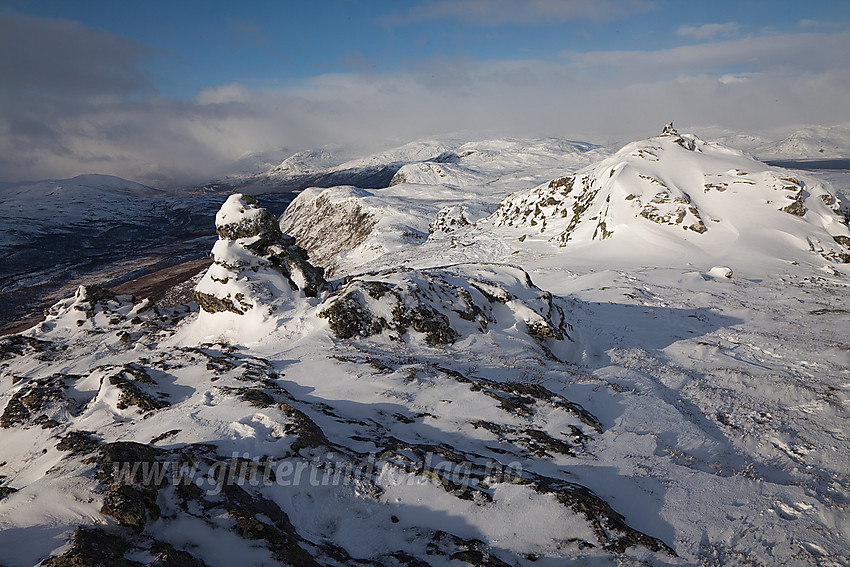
(525, 389)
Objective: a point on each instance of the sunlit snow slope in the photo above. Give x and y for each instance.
(675, 196)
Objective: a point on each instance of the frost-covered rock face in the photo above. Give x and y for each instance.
(255, 267)
(442, 305)
(328, 221)
(698, 193)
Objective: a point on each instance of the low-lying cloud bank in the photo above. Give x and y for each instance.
(79, 102)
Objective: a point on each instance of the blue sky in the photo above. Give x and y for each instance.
(171, 89)
(196, 45)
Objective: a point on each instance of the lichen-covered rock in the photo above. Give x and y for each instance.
(22, 345)
(241, 217)
(255, 266)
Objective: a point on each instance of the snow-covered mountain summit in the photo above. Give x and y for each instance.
(813, 142)
(305, 162)
(678, 194)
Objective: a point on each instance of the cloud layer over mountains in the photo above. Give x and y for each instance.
(74, 99)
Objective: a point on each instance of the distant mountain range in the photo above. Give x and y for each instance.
(814, 142)
(326, 167)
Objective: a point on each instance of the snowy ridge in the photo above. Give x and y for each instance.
(77, 187)
(420, 150)
(304, 162)
(344, 228)
(31, 206)
(676, 191)
(814, 142)
(486, 162)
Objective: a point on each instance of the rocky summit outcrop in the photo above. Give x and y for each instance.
(441, 306)
(677, 192)
(450, 219)
(254, 263)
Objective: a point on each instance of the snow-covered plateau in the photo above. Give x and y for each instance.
(518, 353)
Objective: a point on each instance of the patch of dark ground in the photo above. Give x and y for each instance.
(162, 286)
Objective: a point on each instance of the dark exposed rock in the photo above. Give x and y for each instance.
(96, 547)
(609, 526)
(426, 320)
(33, 398)
(93, 547)
(22, 345)
(257, 398)
(542, 444)
(450, 219)
(128, 506)
(164, 435)
(796, 208)
(133, 475)
(213, 304)
(264, 225)
(309, 434)
(842, 240)
(471, 551)
(128, 380)
(78, 443)
(348, 317)
(521, 396)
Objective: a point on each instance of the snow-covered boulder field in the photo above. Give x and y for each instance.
(635, 361)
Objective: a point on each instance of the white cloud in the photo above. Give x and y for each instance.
(803, 52)
(731, 79)
(116, 126)
(234, 92)
(708, 31)
(497, 12)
